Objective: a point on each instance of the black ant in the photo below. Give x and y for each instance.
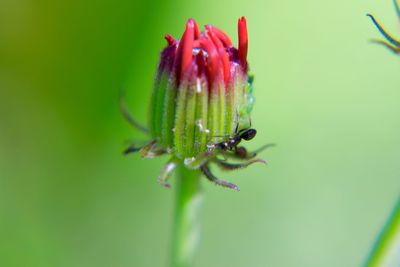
(233, 142)
(228, 149)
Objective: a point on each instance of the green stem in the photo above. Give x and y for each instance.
(186, 228)
(385, 251)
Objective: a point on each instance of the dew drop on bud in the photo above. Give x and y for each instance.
(188, 161)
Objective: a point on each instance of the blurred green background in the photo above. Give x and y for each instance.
(327, 96)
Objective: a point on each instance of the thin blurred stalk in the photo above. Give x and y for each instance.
(187, 227)
(386, 250)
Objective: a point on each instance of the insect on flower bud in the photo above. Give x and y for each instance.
(199, 89)
(201, 102)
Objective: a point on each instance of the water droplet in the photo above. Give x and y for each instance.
(198, 86)
(188, 161)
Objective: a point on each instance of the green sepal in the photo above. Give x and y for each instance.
(168, 121)
(157, 104)
(180, 120)
(201, 122)
(190, 110)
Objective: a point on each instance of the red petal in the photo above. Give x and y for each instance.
(221, 35)
(170, 39)
(187, 45)
(184, 54)
(196, 30)
(243, 42)
(200, 60)
(209, 47)
(222, 53)
(196, 44)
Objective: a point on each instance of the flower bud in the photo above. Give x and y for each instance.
(201, 103)
(201, 92)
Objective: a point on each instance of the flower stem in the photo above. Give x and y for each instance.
(385, 251)
(186, 228)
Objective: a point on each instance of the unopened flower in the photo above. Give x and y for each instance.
(392, 43)
(201, 103)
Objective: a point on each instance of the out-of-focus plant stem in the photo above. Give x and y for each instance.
(386, 250)
(186, 228)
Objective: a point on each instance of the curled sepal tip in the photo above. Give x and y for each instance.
(167, 171)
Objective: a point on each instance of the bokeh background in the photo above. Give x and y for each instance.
(325, 94)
